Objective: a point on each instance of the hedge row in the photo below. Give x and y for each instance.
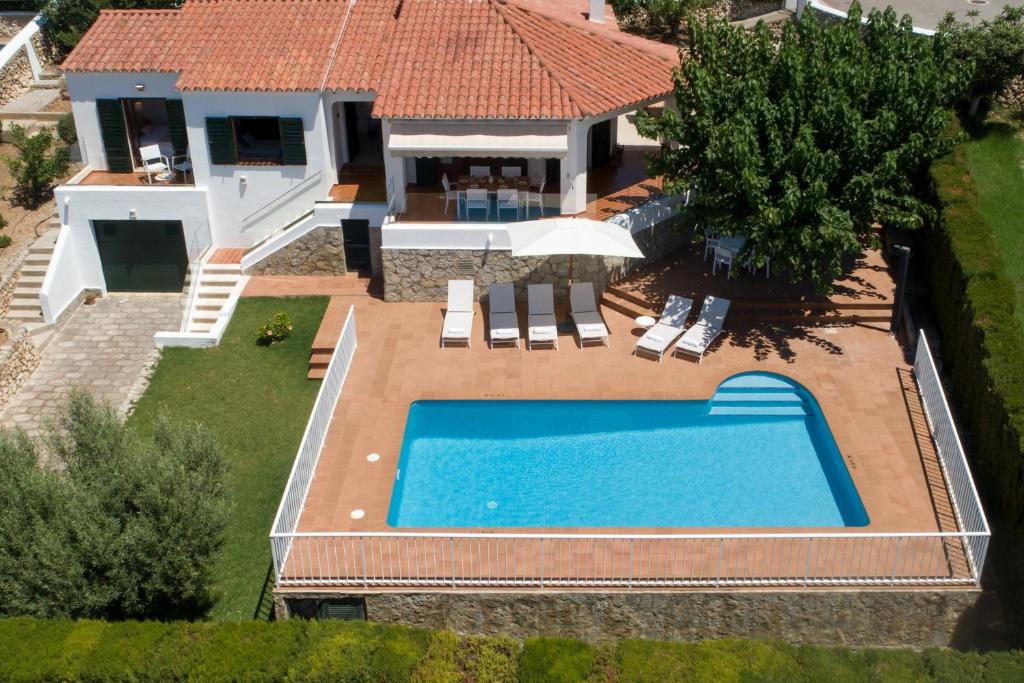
(983, 356)
(296, 650)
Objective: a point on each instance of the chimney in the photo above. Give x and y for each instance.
(597, 11)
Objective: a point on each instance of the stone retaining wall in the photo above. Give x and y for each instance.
(15, 77)
(860, 618)
(17, 361)
(423, 274)
(319, 252)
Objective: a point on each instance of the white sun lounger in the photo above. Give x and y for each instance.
(657, 339)
(502, 314)
(590, 325)
(458, 318)
(542, 328)
(696, 340)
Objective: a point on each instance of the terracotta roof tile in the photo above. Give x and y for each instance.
(423, 58)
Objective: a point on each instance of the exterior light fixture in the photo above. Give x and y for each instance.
(243, 179)
(140, 86)
(132, 214)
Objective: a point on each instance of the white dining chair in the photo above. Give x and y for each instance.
(710, 242)
(536, 198)
(449, 195)
(479, 171)
(510, 172)
(724, 257)
(477, 199)
(182, 163)
(508, 200)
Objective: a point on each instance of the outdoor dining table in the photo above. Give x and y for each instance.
(731, 244)
(490, 183)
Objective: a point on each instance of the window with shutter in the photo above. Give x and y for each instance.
(221, 138)
(176, 126)
(115, 135)
(293, 142)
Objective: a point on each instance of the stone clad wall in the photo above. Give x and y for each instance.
(17, 361)
(860, 618)
(319, 252)
(15, 77)
(423, 274)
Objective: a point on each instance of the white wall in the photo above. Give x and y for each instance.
(85, 88)
(242, 214)
(79, 205)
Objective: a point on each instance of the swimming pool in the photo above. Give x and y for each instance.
(757, 454)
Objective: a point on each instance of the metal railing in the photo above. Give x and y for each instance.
(294, 499)
(282, 210)
(966, 503)
(544, 560)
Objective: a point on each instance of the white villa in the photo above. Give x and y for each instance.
(330, 136)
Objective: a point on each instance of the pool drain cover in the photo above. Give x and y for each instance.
(491, 505)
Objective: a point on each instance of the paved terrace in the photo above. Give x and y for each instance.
(857, 372)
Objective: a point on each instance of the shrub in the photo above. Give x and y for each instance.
(657, 16)
(983, 357)
(274, 330)
(556, 660)
(117, 527)
(66, 129)
(39, 163)
(5, 241)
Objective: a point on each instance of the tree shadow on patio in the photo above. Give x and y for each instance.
(767, 338)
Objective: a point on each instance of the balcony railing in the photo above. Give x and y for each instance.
(368, 559)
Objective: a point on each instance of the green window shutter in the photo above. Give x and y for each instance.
(176, 126)
(115, 136)
(293, 142)
(221, 137)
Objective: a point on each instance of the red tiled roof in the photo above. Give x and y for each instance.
(424, 58)
(128, 40)
(254, 45)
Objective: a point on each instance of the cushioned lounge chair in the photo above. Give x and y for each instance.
(659, 338)
(502, 314)
(542, 328)
(590, 325)
(458, 318)
(696, 340)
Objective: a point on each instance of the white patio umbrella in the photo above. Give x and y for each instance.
(571, 236)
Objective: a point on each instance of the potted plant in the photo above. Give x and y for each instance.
(90, 298)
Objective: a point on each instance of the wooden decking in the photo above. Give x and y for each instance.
(133, 179)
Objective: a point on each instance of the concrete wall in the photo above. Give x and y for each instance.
(423, 274)
(861, 618)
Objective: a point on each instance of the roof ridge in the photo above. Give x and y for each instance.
(499, 6)
(337, 44)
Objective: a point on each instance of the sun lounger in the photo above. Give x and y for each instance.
(696, 340)
(458, 318)
(590, 325)
(502, 314)
(659, 338)
(542, 328)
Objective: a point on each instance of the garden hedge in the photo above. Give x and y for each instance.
(982, 352)
(297, 650)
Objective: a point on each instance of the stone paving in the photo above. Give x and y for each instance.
(106, 348)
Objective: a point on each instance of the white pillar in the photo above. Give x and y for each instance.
(574, 170)
(394, 170)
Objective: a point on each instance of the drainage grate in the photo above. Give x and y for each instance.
(977, 2)
(464, 266)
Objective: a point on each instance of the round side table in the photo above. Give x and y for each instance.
(645, 321)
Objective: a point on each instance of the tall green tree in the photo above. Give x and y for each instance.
(802, 142)
(68, 20)
(112, 526)
(660, 16)
(995, 49)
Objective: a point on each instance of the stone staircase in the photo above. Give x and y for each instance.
(629, 304)
(50, 78)
(327, 338)
(215, 284)
(24, 306)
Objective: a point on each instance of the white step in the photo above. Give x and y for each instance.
(214, 291)
(200, 327)
(41, 250)
(23, 304)
(37, 260)
(34, 269)
(212, 306)
(36, 280)
(217, 279)
(30, 292)
(13, 314)
(222, 268)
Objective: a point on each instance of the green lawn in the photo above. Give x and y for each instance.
(995, 156)
(257, 401)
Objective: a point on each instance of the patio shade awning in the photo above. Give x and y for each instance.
(492, 139)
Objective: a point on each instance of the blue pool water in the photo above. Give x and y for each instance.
(757, 454)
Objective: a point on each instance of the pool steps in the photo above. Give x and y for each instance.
(758, 395)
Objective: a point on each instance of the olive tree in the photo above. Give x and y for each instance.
(802, 142)
(112, 526)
